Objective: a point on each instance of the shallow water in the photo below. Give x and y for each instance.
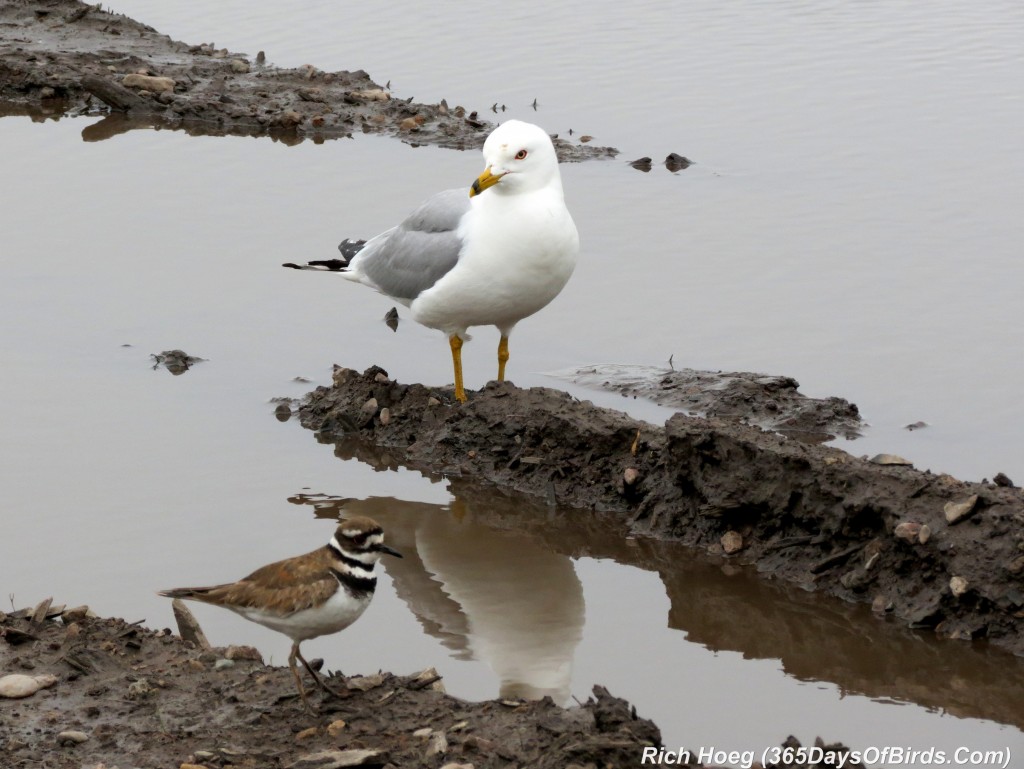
(851, 221)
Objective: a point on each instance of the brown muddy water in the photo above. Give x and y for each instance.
(851, 221)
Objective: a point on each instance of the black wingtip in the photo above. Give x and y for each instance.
(292, 265)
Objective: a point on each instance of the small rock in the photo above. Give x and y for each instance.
(369, 408)
(381, 378)
(630, 476)
(675, 162)
(890, 459)
(423, 733)
(140, 689)
(243, 653)
(438, 745)
(958, 586)
(305, 734)
(148, 83)
(385, 416)
(881, 604)
(925, 534)
(457, 766)
(1016, 565)
(372, 94)
(77, 614)
(957, 511)
(365, 683)
(288, 119)
(71, 738)
(261, 58)
(221, 664)
(18, 685)
(336, 727)
(642, 164)
(337, 759)
(432, 401)
(908, 531)
(1001, 479)
(46, 92)
(732, 542)
(192, 766)
(241, 66)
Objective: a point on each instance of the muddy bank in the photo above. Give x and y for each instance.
(66, 57)
(118, 693)
(766, 401)
(930, 550)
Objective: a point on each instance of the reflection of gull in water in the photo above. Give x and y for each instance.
(496, 596)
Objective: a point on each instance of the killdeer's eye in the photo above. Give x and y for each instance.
(521, 155)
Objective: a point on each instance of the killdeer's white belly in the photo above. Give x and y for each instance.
(335, 614)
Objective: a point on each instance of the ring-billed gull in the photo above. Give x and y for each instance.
(489, 258)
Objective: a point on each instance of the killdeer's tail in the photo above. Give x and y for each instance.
(348, 249)
(188, 593)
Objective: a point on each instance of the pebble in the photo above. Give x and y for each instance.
(221, 664)
(372, 94)
(423, 733)
(958, 586)
(957, 511)
(1016, 565)
(890, 459)
(243, 653)
(139, 689)
(71, 738)
(925, 534)
(336, 759)
(432, 401)
(438, 745)
(46, 92)
(732, 542)
(336, 727)
(241, 66)
(385, 416)
(381, 378)
(191, 766)
(18, 685)
(370, 407)
(630, 476)
(305, 734)
(1001, 479)
(457, 766)
(908, 531)
(148, 83)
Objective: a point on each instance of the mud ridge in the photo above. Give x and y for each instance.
(931, 550)
(66, 57)
(117, 693)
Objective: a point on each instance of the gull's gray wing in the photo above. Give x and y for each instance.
(410, 258)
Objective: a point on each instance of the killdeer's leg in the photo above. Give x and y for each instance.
(502, 357)
(319, 679)
(295, 672)
(455, 341)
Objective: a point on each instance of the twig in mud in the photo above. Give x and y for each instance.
(835, 559)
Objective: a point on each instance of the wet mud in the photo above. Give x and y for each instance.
(769, 402)
(120, 694)
(64, 57)
(931, 551)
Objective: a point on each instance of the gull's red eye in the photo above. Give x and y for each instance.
(521, 155)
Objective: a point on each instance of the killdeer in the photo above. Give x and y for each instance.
(309, 595)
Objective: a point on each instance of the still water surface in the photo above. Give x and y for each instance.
(852, 220)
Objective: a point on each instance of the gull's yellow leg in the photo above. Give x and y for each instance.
(502, 357)
(456, 344)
